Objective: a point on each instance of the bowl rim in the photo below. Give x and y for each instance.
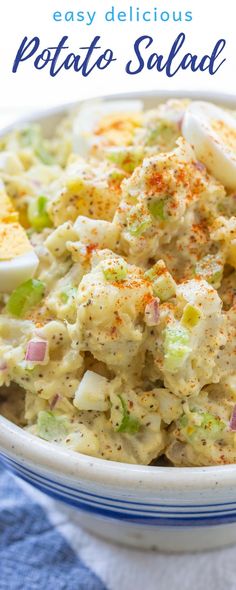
(222, 98)
(24, 447)
(27, 449)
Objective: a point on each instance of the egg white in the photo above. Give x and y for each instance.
(212, 133)
(17, 270)
(90, 114)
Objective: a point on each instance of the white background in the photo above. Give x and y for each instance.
(31, 89)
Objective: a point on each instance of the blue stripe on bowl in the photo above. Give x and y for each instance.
(88, 494)
(83, 497)
(163, 515)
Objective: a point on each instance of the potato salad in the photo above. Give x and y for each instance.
(118, 282)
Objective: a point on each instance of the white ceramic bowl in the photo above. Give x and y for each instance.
(167, 508)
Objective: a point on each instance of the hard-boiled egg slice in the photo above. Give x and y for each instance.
(91, 114)
(18, 261)
(7, 212)
(212, 133)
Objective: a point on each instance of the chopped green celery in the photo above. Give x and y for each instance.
(37, 213)
(191, 316)
(25, 297)
(65, 295)
(129, 424)
(51, 427)
(176, 347)
(156, 209)
(164, 287)
(114, 269)
(117, 175)
(164, 131)
(43, 154)
(176, 334)
(32, 137)
(163, 283)
(32, 369)
(153, 272)
(29, 231)
(138, 222)
(183, 421)
(211, 269)
(126, 158)
(212, 423)
(202, 424)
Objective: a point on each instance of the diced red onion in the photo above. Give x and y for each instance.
(54, 401)
(232, 424)
(3, 366)
(180, 123)
(152, 312)
(200, 166)
(36, 183)
(36, 351)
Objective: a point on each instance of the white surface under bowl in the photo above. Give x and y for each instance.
(167, 508)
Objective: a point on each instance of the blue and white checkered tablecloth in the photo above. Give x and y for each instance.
(33, 553)
(42, 547)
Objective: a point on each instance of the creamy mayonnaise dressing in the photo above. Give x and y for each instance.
(118, 282)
